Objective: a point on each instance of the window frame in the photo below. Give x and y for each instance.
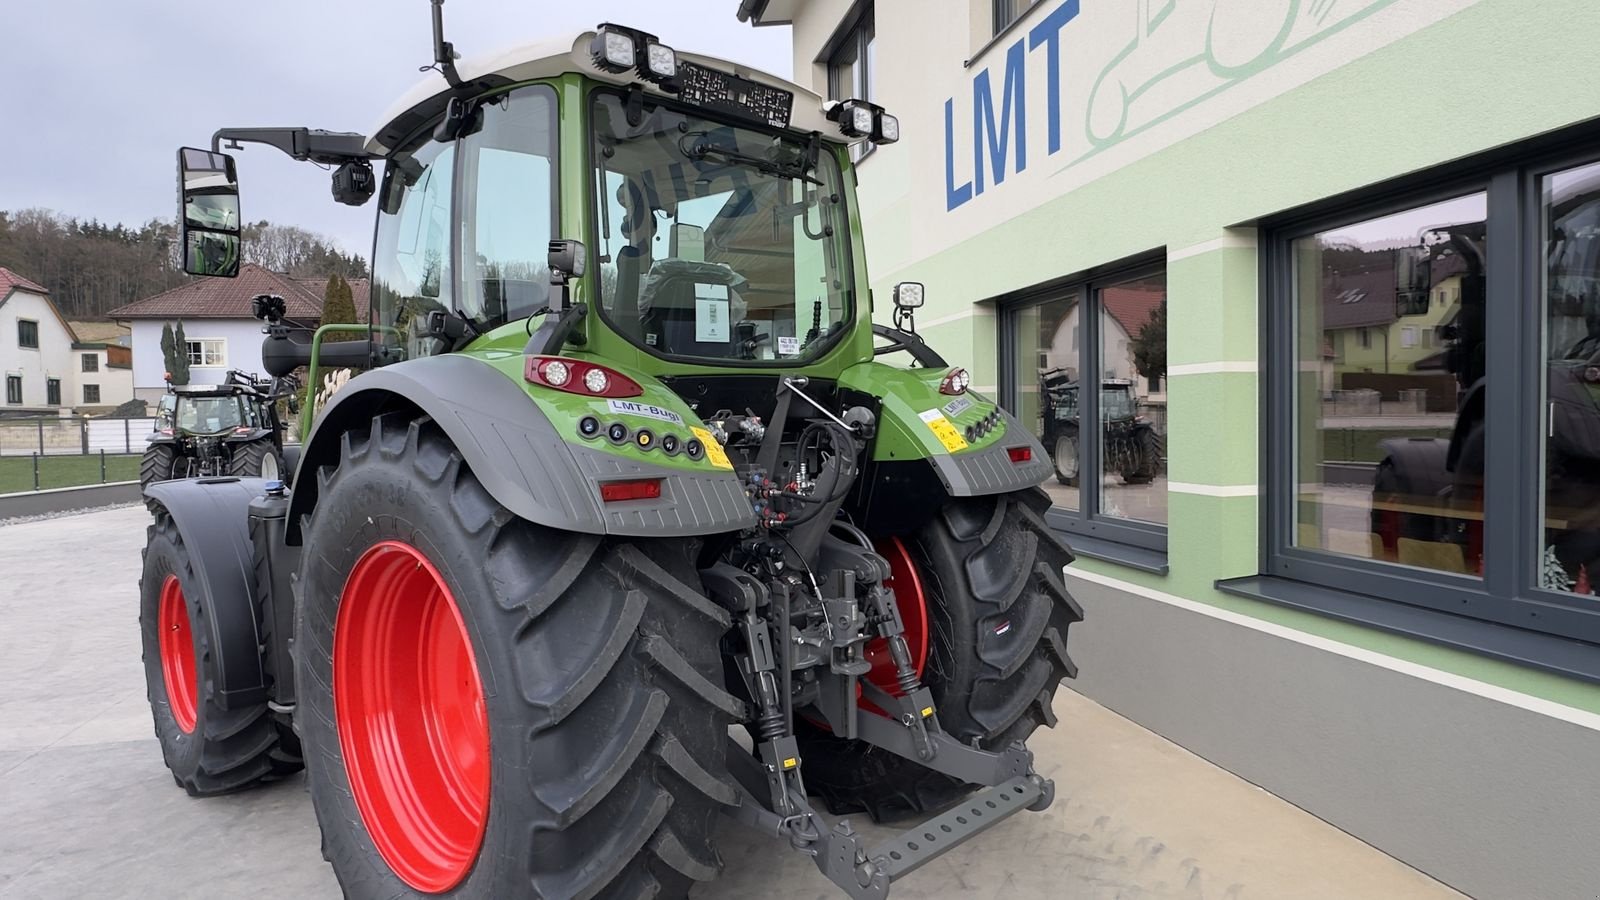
(86, 398)
(14, 381)
(52, 392)
(23, 344)
(856, 32)
(1130, 541)
(1506, 597)
(91, 362)
(222, 356)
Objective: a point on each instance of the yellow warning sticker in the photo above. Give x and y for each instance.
(713, 449)
(943, 430)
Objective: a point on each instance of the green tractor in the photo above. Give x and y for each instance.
(621, 471)
(1130, 446)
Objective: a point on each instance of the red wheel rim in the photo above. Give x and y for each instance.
(913, 605)
(177, 655)
(408, 704)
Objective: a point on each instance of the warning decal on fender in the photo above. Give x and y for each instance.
(943, 430)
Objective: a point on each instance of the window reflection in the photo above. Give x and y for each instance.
(1133, 399)
(1390, 387)
(1570, 551)
(1046, 389)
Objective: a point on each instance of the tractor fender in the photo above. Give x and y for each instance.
(518, 454)
(975, 473)
(255, 435)
(213, 518)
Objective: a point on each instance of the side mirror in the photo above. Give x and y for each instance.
(208, 213)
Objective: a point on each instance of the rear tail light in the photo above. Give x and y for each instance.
(576, 376)
(1020, 454)
(956, 382)
(634, 489)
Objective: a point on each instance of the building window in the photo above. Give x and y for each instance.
(1109, 333)
(1458, 472)
(91, 393)
(851, 60)
(209, 352)
(28, 334)
(13, 388)
(1008, 11)
(91, 362)
(52, 392)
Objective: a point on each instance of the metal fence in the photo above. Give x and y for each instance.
(74, 437)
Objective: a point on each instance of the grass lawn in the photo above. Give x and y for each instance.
(16, 472)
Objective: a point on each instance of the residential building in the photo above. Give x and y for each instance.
(48, 368)
(219, 331)
(1366, 577)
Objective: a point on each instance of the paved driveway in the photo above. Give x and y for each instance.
(88, 810)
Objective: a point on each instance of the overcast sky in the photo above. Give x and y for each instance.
(100, 93)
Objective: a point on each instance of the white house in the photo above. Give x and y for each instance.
(104, 367)
(47, 367)
(218, 330)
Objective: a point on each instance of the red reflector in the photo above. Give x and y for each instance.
(638, 489)
(1020, 454)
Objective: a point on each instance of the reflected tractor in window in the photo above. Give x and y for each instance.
(228, 429)
(1130, 446)
(626, 464)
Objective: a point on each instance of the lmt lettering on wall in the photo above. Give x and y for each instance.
(999, 126)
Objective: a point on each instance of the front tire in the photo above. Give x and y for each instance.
(999, 614)
(598, 709)
(209, 749)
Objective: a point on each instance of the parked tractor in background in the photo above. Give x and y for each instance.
(205, 430)
(620, 471)
(1130, 447)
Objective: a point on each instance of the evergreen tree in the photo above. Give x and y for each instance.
(339, 307)
(179, 364)
(168, 362)
(1150, 345)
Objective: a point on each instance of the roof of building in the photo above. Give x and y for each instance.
(1132, 307)
(99, 332)
(360, 293)
(225, 298)
(10, 281)
(1358, 299)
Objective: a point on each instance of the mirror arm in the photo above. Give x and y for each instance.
(316, 145)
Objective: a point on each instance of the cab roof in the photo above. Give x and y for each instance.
(546, 59)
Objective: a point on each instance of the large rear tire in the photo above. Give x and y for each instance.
(256, 459)
(991, 572)
(576, 681)
(156, 464)
(208, 748)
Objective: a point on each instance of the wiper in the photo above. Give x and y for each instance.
(698, 150)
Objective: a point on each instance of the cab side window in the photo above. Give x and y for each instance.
(508, 206)
(412, 273)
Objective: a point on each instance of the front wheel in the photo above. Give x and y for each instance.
(989, 577)
(497, 708)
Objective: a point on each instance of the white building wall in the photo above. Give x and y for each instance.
(242, 338)
(53, 358)
(116, 385)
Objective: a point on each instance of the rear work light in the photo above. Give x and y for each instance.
(634, 489)
(956, 382)
(576, 376)
(1020, 455)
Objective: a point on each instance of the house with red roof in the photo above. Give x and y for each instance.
(219, 332)
(47, 367)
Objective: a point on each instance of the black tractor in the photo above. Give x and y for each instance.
(1132, 449)
(231, 428)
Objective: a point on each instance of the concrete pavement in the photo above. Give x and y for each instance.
(87, 809)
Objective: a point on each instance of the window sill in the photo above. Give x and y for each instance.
(1569, 658)
(1153, 561)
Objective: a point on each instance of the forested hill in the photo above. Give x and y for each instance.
(91, 267)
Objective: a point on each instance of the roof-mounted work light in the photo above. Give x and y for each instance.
(618, 48)
(861, 119)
